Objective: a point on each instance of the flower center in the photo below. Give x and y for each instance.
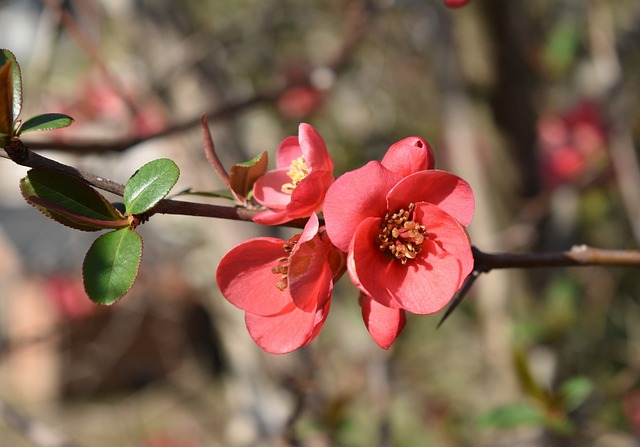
(282, 268)
(401, 236)
(298, 170)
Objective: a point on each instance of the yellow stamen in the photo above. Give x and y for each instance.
(282, 268)
(298, 170)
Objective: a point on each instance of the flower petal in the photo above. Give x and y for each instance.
(449, 192)
(245, 278)
(268, 189)
(310, 275)
(427, 284)
(309, 194)
(288, 151)
(410, 155)
(383, 323)
(314, 149)
(447, 233)
(355, 196)
(368, 267)
(288, 330)
(269, 217)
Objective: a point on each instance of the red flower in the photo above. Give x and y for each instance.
(456, 3)
(407, 247)
(283, 286)
(296, 189)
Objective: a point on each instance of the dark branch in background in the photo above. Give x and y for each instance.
(358, 14)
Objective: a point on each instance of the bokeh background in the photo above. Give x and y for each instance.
(534, 103)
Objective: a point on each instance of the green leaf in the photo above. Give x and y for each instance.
(111, 265)
(515, 415)
(46, 121)
(150, 184)
(244, 175)
(83, 208)
(8, 58)
(575, 391)
(6, 99)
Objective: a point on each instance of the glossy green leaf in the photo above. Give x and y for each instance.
(46, 121)
(510, 416)
(150, 184)
(8, 58)
(244, 175)
(73, 202)
(111, 265)
(6, 99)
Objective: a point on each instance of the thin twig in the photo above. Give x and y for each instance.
(213, 159)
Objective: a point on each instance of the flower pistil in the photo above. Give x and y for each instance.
(401, 236)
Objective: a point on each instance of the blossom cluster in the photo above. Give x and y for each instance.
(396, 226)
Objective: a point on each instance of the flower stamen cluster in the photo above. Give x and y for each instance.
(298, 171)
(401, 236)
(283, 264)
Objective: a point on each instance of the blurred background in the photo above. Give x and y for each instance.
(534, 103)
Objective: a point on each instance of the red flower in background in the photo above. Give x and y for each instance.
(572, 145)
(404, 234)
(283, 286)
(296, 189)
(456, 3)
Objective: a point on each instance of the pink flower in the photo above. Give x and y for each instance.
(284, 287)
(405, 237)
(296, 189)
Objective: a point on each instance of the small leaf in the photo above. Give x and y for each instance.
(7, 57)
(46, 121)
(575, 391)
(111, 265)
(515, 415)
(6, 99)
(244, 175)
(70, 194)
(150, 184)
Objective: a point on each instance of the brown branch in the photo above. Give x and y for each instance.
(484, 262)
(579, 255)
